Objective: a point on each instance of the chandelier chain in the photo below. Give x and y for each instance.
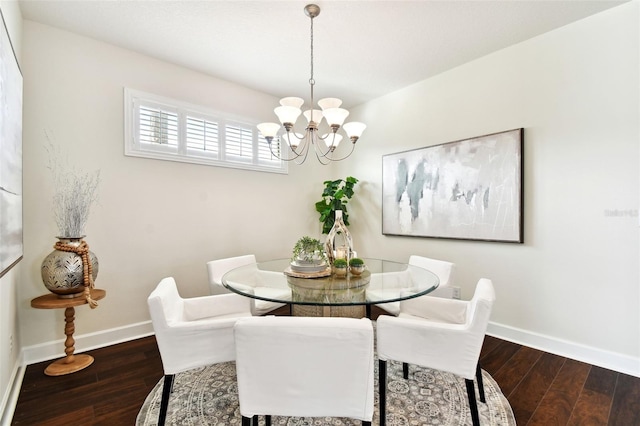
(312, 82)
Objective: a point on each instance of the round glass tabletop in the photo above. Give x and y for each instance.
(383, 281)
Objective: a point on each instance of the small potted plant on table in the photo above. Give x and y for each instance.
(308, 257)
(356, 266)
(340, 267)
(308, 251)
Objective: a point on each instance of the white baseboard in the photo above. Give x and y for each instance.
(86, 342)
(10, 398)
(611, 360)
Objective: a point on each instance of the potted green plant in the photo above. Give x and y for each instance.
(356, 266)
(340, 267)
(308, 250)
(335, 196)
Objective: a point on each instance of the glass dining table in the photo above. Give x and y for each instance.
(382, 281)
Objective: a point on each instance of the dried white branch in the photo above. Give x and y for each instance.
(75, 192)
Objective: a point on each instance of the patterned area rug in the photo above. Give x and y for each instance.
(209, 396)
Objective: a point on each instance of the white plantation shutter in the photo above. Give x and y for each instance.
(167, 129)
(158, 126)
(202, 137)
(238, 143)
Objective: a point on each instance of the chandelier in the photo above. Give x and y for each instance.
(299, 144)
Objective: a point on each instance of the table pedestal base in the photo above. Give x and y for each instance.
(355, 311)
(71, 363)
(66, 366)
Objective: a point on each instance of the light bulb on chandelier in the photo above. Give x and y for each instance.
(330, 111)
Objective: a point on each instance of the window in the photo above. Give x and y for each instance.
(167, 129)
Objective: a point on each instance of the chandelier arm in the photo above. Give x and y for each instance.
(280, 157)
(301, 144)
(332, 133)
(328, 157)
(317, 147)
(321, 158)
(305, 150)
(293, 134)
(323, 154)
(295, 153)
(326, 154)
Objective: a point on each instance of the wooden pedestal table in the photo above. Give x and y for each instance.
(71, 363)
(329, 296)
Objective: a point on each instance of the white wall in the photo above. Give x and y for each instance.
(575, 279)
(572, 287)
(9, 330)
(154, 218)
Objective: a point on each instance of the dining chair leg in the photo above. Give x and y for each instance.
(480, 383)
(368, 309)
(164, 402)
(473, 406)
(267, 420)
(366, 423)
(247, 421)
(405, 370)
(382, 390)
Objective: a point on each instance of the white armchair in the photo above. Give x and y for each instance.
(217, 268)
(444, 270)
(192, 332)
(443, 334)
(322, 367)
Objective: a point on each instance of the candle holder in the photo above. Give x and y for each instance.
(345, 250)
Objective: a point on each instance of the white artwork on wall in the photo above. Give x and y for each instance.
(10, 155)
(468, 189)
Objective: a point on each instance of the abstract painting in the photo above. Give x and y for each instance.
(470, 189)
(10, 155)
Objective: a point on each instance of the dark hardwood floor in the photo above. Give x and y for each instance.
(543, 389)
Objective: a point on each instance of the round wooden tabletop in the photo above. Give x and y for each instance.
(52, 301)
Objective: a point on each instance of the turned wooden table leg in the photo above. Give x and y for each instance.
(71, 363)
(69, 329)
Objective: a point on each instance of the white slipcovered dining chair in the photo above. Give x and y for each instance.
(217, 268)
(443, 269)
(322, 367)
(192, 332)
(442, 334)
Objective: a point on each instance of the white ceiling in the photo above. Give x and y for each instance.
(363, 49)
